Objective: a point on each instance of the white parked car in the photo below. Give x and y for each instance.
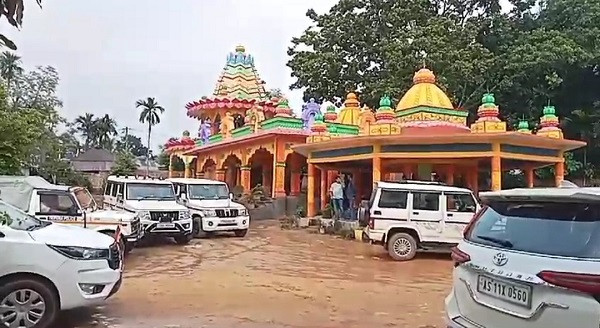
(213, 209)
(418, 215)
(154, 201)
(529, 259)
(68, 205)
(47, 267)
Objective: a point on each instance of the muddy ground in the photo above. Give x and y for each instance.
(272, 279)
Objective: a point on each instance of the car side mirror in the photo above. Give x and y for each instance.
(231, 196)
(119, 198)
(183, 196)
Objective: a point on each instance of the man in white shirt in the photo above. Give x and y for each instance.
(336, 191)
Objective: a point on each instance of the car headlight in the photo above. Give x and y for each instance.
(81, 253)
(209, 213)
(186, 214)
(243, 212)
(143, 215)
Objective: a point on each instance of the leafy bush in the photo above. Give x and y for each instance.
(327, 212)
(5, 219)
(255, 198)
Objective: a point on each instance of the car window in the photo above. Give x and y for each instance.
(426, 201)
(393, 199)
(561, 229)
(108, 188)
(119, 189)
(460, 202)
(53, 203)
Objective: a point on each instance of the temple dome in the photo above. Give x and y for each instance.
(424, 93)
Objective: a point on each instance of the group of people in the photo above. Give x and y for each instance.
(342, 193)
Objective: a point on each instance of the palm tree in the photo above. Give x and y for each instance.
(150, 114)
(106, 128)
(10, 66)
(86, 125)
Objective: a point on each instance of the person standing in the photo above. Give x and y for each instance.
(351, 195)
(336, 191)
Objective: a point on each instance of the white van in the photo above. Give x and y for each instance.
(154, 201)
(412, 215)
(68, 205)
(47, 267)
(213, 209)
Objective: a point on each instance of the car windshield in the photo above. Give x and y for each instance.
(19, 220)
(558, 229)
(139, 191)
(85, 199)
(208, 191)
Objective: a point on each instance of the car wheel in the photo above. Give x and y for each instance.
(183, 239)
(241, 233)
(27, 303)
(402, 247)
(196, 222)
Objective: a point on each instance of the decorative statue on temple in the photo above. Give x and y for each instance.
(227, 125)
(204, 131)
(309, 111)
(254, 116)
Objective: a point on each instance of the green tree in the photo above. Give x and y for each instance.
(105, 129)
(125, 164)
(132, 144)
(10, 67)
(12, 10)
(86, 126)
(150, 114)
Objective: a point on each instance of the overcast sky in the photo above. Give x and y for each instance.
(109, 53)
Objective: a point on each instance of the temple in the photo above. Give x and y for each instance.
(246, 138)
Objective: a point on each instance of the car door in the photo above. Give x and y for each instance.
(426, 214)
(391, 206)
(459, 208)
(109, 199)
(58, 206)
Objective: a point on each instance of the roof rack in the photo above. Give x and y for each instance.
(419, 182)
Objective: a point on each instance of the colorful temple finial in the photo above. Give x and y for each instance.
(319, 125)
(330, 114)
(351, 111)
(549, 123)
(283, 109)
(487, 116)
(523, 126)
(385, 113)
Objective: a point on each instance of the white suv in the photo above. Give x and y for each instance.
(408, 216)
(46, 267)
(213, 209)
(530, 259)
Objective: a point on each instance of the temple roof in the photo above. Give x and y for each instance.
(238, 88)
(239, 78)
(424, 93)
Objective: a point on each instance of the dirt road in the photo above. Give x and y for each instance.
(273, 278)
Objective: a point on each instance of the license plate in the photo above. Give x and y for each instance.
(227, 221)
(165, 225)
(507, 291)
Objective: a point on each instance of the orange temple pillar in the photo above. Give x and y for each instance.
(171, 166)
(559, 173)
(529, 177)
(279, 180)
(324, 188)
(376, 169)
(496, 168)
(310, 192)
(450, 175)
(295, 177)
(245, 178)
(220, 175)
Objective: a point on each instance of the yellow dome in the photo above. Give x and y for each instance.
(424, 93)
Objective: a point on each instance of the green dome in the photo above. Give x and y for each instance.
(385, 101)
(331, 109)
(283, 103)
(523, 125)
(488, 98)
(319, 117)
(549, 111)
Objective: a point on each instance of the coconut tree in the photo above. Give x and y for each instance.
(106, 129)
(10, 66)
(86, 126)
(150, 114)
